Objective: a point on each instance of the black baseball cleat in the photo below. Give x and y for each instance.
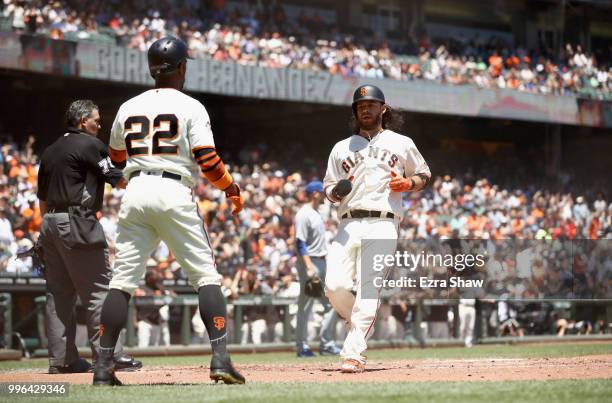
(105, 377)
(221, 369)
(126, 363)
(79, 366)
(104, 369)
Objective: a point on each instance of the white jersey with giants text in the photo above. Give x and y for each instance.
(370, 164)
(158, 129)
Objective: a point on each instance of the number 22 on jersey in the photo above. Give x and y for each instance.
(139, 127)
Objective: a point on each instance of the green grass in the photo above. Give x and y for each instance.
(524, 391)
(487, 351)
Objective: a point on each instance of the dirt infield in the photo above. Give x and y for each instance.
(494, 369)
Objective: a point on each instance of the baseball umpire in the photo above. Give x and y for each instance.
(71, 180)
(312, 251)
(162, 137)
(367, 174)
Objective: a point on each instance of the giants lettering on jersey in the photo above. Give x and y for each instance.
(373, 152)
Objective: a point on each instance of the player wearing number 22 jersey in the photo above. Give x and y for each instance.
(162, 129)
(163, 140)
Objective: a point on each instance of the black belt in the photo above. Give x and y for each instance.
(367, 214)
(79, 210)
(164, 174)
(55, 210)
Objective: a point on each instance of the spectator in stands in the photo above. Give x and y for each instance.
(21, 265)
(16, 11)
(20, 244)
(269, 38)
(6, 229)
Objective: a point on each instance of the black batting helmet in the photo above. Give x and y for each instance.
(367, 93)
(166, 54)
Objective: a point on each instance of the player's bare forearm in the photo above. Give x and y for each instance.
(309, 266)
(420, 182)
(413, 183)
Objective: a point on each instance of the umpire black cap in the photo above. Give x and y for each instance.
(166, 54)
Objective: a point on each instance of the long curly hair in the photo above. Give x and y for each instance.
(392, 120)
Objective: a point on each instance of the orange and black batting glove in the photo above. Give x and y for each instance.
(236, 198)
(400, 184)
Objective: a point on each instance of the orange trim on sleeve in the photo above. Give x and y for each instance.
(117, 155)
(224, 181)
(198, 152)
(212, 167)
(209, 161)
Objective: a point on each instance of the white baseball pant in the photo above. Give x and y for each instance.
(344, 275)
(155, 208)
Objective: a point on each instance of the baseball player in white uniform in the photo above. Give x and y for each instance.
(163, 138)
(366, 174)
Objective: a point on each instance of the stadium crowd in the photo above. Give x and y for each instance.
(256, 254)
(265, 36)
(261, 239)
(258, 246)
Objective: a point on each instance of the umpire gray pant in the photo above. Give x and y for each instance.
(305, 304)
(72, 272)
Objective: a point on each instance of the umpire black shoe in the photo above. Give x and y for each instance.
(104, 369)
(126, 363)
(79, 366)
(221, 369)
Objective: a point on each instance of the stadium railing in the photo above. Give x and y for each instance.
(185, 302)
(6, 25)
(100, 38)
(414, 334)
(6, 315)
(594, 94)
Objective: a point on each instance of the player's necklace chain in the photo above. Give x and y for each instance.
(377, 133)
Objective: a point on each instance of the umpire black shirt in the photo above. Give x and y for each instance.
(73, 171)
